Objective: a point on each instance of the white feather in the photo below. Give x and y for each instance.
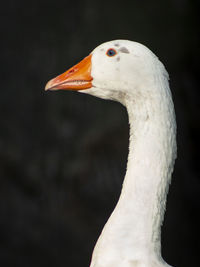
(137, 79)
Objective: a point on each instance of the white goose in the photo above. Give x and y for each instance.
(131, 74)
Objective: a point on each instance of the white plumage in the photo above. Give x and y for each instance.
(131, 74)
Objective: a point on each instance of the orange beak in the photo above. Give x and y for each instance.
(76, 78)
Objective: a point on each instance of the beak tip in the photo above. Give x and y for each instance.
(48, 86)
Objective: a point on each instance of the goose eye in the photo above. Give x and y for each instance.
(111, 52)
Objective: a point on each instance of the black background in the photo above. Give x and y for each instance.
(63, 154)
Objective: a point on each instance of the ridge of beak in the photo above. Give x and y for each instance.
(76, 78)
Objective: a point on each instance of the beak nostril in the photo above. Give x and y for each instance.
(71, 71)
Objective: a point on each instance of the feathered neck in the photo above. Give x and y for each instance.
(132, 233)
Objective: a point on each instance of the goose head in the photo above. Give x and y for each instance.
(115, 70)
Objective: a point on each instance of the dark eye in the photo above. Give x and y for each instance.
(111, 52)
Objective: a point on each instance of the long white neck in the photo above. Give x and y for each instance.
(132, 234)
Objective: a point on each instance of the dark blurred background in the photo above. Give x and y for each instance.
(63, 154)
